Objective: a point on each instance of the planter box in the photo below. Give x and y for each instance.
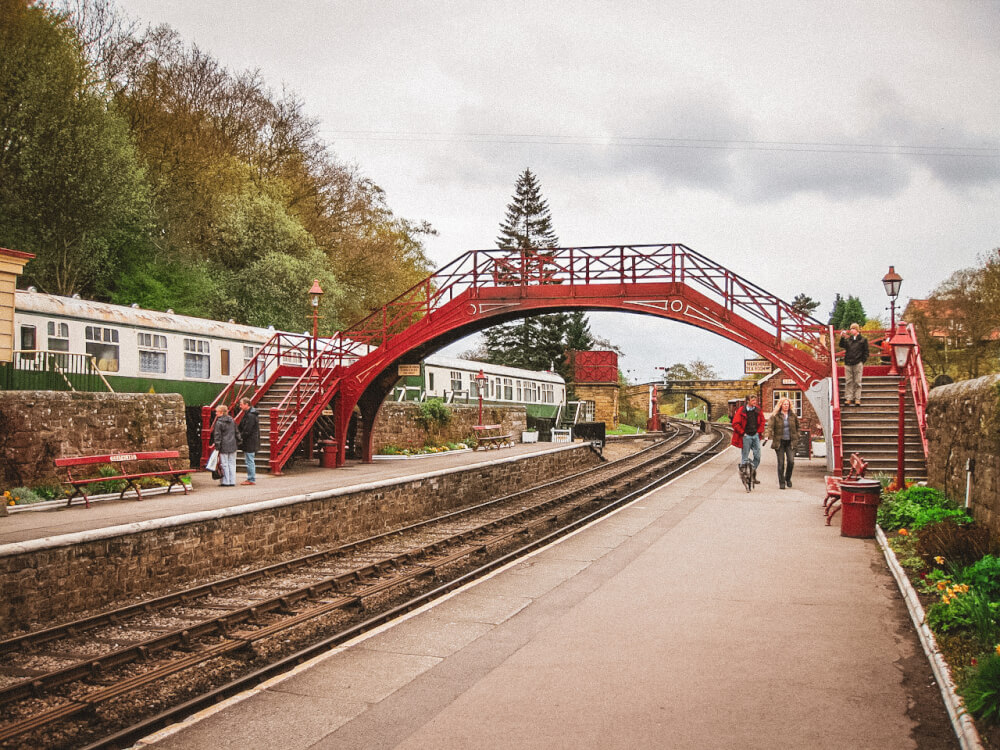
(401, 457)
(819, 450)
(529, 437)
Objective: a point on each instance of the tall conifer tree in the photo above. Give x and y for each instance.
(538, 342)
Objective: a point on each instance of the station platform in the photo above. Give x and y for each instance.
(58, 519)
(700, 616)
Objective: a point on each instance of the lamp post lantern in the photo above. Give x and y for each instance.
(902, 344)
(315, 293)
(481, 380)
(892, 281)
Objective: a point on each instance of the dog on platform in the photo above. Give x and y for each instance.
(748, 475)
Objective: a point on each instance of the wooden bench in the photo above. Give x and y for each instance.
(491, 436)
(124, 464)
(831, 503)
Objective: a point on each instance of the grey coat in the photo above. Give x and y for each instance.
(224, 434)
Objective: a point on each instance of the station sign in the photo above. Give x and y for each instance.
(407, 371)
(788, 381)
(757, 367)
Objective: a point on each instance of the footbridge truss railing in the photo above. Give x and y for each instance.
(323, 365)
(614, 265)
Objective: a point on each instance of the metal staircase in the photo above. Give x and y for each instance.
(872, 429)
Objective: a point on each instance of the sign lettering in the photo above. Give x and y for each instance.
(123, 457)
(756, 367)
(408, 371)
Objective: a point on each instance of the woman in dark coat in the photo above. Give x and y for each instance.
(224, 440)
(783, 429)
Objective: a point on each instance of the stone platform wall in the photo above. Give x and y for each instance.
(65, 575)
(397, 424)
(39, 426)
(963, 422)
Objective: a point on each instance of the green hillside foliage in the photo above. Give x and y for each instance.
(138, 169)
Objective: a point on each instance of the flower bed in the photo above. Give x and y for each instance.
(394, 452)
(953, 564)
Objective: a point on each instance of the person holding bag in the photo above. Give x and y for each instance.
(224, 440)
(783, 429)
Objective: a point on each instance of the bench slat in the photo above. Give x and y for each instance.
(111, 458)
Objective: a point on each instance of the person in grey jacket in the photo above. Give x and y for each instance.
(249, 438)
(224, 440)
(783, 429)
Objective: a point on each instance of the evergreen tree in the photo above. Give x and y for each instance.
(541, 341)
(804, 304)
(528, 224)
(837, 314)
(854, 312)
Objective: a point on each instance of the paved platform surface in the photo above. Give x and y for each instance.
(701, 616)
(207, 495)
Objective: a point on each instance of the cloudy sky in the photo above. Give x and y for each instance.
(805, 146)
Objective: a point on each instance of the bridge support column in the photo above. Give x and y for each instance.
(341, 421)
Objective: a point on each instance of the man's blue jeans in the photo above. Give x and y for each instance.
(251, 466)
(751, 442)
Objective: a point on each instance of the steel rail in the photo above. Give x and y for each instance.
(34, 639)
(222, 625)
(128, 736)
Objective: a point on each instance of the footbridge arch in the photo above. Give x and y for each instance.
(358, 367)
(715, 393)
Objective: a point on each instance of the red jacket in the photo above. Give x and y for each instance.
(740, 425)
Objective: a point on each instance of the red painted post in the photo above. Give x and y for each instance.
(275, 468)
(900, 482)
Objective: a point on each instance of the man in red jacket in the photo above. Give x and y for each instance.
(748, 429)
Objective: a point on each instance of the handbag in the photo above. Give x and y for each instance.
(213, 460)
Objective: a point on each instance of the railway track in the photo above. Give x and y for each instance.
(106, 680)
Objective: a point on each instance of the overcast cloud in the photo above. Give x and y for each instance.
(805, 146)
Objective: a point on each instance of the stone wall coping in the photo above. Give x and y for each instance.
(94, 535)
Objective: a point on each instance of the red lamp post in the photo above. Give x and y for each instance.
(481, 380)
(902, 344)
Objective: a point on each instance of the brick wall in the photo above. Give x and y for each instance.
(85, 572)
(605, 398)
(963, 422)
(397, 424)
(808, 420)
(39, 426)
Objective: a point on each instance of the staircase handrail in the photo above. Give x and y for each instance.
(280, 346)
(918, 387)
(837, 449)
(313, 383)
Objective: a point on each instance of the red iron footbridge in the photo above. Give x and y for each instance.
(293, 379)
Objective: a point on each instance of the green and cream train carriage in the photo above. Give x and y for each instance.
(63, 342)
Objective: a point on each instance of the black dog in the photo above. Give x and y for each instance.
(748, 475)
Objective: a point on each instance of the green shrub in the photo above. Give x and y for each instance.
(927, 516)
(109, 487)
(898, 510)
(434, 412)
(24, 496)
(982, 691)
(50, 491)
(984, 576)
(390, 450)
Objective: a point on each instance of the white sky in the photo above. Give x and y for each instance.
(805, 146)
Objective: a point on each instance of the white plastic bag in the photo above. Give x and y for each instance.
(213, 460)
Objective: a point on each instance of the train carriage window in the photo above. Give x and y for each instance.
(508, 389)
(197, 361)
(257, 374)
(102, 345)
(152, 352)
(519, 391)
(548, 394)
(58, 336)
(28, 338)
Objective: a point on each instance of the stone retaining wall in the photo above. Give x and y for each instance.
(65, 575)
(39, 426)
(963, 422)
(397, 424)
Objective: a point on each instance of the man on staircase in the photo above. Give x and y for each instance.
(855, 348)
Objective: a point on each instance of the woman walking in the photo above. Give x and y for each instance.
(783, 429)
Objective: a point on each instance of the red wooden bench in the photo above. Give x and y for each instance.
(124, 464)
(491, 436)
(831, 503)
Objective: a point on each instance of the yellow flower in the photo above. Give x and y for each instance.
(939, 560)
(11, 502)
(904, 532)
(941, 585)
(998, 649)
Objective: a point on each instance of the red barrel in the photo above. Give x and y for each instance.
(859, 499)
(328, 456)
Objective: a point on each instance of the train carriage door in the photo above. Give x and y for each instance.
(225, 362)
